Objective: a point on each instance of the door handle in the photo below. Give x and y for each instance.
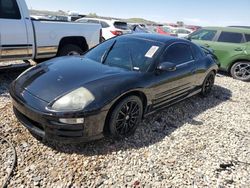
(238, 49)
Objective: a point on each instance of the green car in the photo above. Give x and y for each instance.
(230, 45)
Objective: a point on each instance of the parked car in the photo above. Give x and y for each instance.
(110, 28)
(161, 30)
(170, 30)
(110, 88)
(23, 38)
(230, 45)
(182, 32)
(139, 29)
(193, 27)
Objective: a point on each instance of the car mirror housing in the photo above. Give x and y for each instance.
(166, 67)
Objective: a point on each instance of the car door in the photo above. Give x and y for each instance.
(204, 37)
(228, 46)
(173, 85)
(13, 33)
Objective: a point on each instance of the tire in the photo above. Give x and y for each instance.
(70, 49)
(241, 71)
(125, 117)
(208, 84)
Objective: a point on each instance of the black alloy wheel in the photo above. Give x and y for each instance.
(208, 84)
(125, 117)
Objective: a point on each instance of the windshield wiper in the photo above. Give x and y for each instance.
(105, 56)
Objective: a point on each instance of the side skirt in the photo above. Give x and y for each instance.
(151, 110)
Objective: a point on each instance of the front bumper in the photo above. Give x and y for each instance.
(48, 127)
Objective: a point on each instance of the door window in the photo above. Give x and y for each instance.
(104, 24)
(93, 21)
(203, 34)
(9, 9)
(230, 37)
(247, 37)
(178, 54)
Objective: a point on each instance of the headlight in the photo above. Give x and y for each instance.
(74, 101)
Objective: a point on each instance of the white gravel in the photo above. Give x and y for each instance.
(201, 142)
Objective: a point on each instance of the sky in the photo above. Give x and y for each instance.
(195, 12)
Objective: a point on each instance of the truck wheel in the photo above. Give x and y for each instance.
(70, 49)
(241, 71)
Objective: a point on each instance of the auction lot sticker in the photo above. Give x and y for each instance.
(151, 52)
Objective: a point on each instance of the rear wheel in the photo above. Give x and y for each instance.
(126, 117)
(208, 84)
(241, 71)
(70, 49)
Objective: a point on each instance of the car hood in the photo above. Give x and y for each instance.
(57, 77)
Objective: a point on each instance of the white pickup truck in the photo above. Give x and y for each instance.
(24, 38)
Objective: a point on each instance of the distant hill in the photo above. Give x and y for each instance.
(139, 20)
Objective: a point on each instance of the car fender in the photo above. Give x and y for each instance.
(111, 89)
(237, 58)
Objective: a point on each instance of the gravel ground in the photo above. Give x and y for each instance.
(196, 143)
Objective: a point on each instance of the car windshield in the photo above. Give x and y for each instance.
(129, 53)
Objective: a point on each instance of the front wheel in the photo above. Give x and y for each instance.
(125, 117)
(241, 71)
(208, 84)
(70, 49)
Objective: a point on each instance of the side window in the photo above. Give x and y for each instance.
(230, 37)
(104, 24)
(207, 35)
(93, 21)
(178, 54)
(247, 37)
(9, 9)
(83, 21)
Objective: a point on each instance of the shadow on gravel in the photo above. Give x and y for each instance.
(6, 77)
(154, 128)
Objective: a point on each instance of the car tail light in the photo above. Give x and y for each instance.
(116, 33)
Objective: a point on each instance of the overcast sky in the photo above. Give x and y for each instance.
(198, 12)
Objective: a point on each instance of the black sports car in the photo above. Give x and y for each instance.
(111, 88)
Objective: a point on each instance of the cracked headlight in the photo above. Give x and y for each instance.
(74, 101)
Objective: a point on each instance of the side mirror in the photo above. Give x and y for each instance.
(166, 66)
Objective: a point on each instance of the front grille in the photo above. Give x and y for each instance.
(24, 118)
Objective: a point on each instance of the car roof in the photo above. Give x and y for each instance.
(230, 29)
(156, 37)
